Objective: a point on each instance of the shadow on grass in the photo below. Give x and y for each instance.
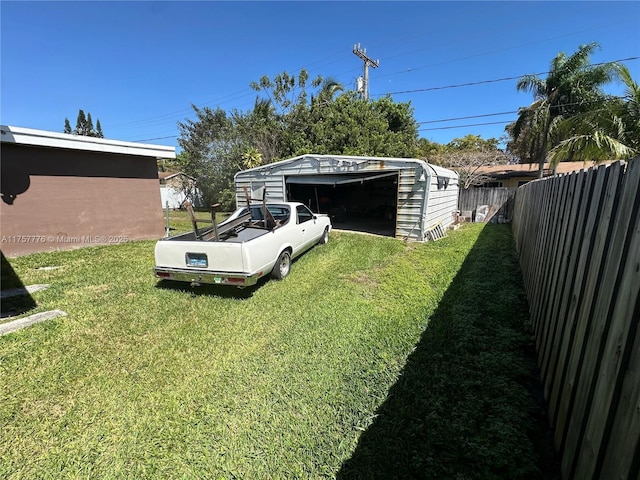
(14, 305)
(223, 291)
(467, 404)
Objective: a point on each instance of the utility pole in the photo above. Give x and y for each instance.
(368, 62)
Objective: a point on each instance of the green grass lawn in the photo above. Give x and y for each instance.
(369, 346)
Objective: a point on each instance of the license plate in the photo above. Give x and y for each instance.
(197, 260)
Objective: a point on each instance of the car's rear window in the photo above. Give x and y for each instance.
(279, 213)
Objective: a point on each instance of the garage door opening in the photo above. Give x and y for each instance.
(357, 202)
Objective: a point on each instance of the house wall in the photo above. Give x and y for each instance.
(511, 182)
(514, 182)
(55, 198)
(179, 189)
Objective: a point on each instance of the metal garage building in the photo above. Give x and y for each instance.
(404, 198)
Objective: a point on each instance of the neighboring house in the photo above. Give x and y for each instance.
(63, 191)
(176, 188)
(512, 176)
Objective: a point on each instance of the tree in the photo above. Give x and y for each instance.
(352, 126)
(99, 133)
(468, 155)
(84, 126)
(286, 91)
(572, 86)
(473, 143)
(294, 116)
(262, 129)
(251, 158)
(426, 149)
(81, 124)
(89, 126)
(329, 88)
(606, 133)
(212, 151)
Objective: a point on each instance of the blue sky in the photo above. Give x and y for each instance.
(138, 66)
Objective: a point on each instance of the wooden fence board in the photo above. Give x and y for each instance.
(560, 273)
(580, 330)
(585, 355)
(578, 239)
(553, 263)
(601, 238)
(613, 323)
(544, 257)
(626, 426)
(540, 250)
(524, 224)
(569, 262)
(500, 201)
(532, 238)
(570, 299)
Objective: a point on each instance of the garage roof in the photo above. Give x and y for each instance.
(312, 164)
(44, 138)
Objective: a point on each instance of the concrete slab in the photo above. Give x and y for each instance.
(30, 320)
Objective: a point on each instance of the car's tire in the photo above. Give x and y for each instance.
(325, 237)
(283, 266)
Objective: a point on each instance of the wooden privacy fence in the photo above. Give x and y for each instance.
(499, 200)
(578, 237)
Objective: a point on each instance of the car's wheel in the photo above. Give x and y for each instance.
(283, 266)
(325, 237)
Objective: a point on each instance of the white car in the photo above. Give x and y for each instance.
(253, 242)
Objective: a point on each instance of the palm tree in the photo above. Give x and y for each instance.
(329, 88)
(606, 133)
(572, 86)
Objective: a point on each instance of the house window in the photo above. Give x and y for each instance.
(492, 184)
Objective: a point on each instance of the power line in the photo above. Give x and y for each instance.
(464, 126)
(480, 82)
(157, 138)
(430, 89)
(570, 104)
(466, 118)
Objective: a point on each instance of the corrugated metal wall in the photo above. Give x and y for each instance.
(256, 183)
(411, 201)
(442, 200)
(417, 211)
